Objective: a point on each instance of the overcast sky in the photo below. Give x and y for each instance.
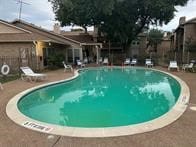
(40, 13)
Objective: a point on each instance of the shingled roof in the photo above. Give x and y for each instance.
(44, 33)
(82, 38)
(35, 33)
(32, 33)
(190, 21)
(193, 20)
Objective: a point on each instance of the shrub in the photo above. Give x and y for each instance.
(55, 61)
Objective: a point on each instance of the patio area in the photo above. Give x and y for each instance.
(181, 133)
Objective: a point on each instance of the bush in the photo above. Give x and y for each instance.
(55, 61)
(10, 77)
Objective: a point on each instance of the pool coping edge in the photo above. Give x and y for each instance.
(171, 116)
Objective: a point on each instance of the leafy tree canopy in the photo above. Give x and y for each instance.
(120, 20)
(155, 37)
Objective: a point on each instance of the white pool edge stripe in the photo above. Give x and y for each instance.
(172, 115)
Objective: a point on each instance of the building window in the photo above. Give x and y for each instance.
(70, 55)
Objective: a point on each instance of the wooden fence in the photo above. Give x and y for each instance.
(12, 62)
(15, 63)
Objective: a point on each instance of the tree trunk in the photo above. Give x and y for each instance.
(85, 30)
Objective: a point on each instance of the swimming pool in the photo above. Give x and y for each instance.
(103, 98)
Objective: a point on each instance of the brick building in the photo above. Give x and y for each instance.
(183, 43)
(33, 44)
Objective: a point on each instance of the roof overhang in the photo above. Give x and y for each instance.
(91, 44)
(31, 41)
(66, 40)
(13, 26)
(15, 41)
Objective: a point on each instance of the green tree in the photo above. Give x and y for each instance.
(82, 13)
(119, 20)
(155, 37)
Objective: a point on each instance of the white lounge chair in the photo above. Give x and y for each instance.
(127, 61)
(149, 63)
(188, 67)
(133, 62)
(67, 67)
(29, 74)
(105, 61)
(80, 64)
(173, 64)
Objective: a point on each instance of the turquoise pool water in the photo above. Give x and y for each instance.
(103, 97)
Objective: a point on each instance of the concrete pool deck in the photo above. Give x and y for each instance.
(172, 115)
(180, 133)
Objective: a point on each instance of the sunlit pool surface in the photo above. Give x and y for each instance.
(103, 97)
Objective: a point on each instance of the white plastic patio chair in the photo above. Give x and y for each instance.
(133, 62)
(127, 61)
(149, 63)
(29, 74)
(80, 64)
(105, 61)
(188, 67)
(85, 60)
(67, 67)
(100, 60)
(173, 64)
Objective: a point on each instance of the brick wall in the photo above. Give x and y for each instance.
(12, 49)
(11, 54)
(12, 62)
(190, 31)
